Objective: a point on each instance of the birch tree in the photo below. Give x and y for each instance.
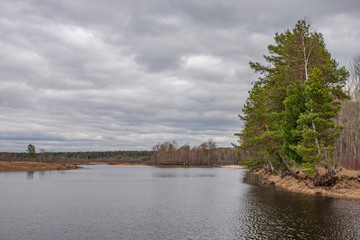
(353, 85)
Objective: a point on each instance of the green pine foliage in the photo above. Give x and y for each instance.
(254, 134)
(316, 126)
(31, 150)
(276, 112)
(294, 106)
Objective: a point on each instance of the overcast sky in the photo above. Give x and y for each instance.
(125, 75)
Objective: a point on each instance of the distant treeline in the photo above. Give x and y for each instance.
(80, 157)
(168, 153)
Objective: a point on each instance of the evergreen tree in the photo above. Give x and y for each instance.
(254, 117)
(318, 130)
(31, 150)
(261, 133)
(294, 106)
(276, 101)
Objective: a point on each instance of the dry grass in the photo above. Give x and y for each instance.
(34, 166)
(347, 186)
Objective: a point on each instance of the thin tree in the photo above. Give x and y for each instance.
(353, 85)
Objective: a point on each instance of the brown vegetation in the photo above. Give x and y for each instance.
(34, 166)
(347, 151)
(207, 154)
(347, 185)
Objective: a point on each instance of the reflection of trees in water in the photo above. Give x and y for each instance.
(30, 175)
(276, 214)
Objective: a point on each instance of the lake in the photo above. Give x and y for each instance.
(141, 202)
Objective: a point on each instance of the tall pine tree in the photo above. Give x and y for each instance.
(274, 114)
(316, 125)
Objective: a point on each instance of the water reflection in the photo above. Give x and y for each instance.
(30, 175)
(42, 174)
(137, 202)
(275, 213)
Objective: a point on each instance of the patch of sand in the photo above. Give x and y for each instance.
(347, 186)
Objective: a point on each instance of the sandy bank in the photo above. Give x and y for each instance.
(34, 166)
(166, 165)
(347, 186)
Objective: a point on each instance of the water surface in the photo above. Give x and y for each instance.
(140, 202)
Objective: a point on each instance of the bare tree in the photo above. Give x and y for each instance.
(353, 85)
(206, 154)
(347, 151)
(42, 154)
(5, 156)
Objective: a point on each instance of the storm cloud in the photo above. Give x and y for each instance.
(121, 75)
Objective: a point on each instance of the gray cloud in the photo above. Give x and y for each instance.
(109, 75)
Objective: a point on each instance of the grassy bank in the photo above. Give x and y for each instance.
(347, 186)
(34, 166)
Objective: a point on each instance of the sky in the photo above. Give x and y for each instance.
(125, 75)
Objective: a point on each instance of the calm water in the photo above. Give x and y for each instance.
(138, 202)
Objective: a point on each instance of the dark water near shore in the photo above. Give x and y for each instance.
(139, 202)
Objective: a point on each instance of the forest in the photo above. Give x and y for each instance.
(207, 153)
(78, 157)
(303, 112)
(167, 153)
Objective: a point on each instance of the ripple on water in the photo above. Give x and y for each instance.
(137, 202)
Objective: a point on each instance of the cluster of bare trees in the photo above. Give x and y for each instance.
(347, 151)
(353, 85)
(168, 153)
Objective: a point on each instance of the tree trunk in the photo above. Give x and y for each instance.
(281, 156)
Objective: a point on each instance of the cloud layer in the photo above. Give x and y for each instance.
(111, 75)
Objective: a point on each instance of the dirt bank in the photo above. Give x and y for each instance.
(34, 166)
(347, 186)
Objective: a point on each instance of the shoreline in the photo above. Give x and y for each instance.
(168, 165)
(347, 186)
(27, 166)
(24, 166)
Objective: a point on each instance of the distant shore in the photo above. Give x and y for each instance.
(26, 166)
(347, 186)
(169, 165)
(22, 166)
